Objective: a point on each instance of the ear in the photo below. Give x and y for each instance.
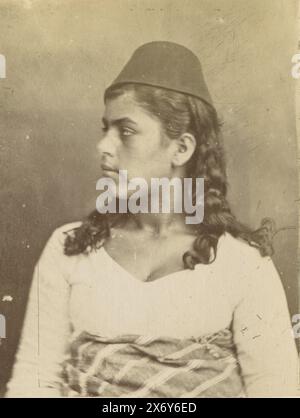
(184, 149)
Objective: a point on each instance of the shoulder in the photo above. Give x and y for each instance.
(53, 251)
(57, 237)
(238, 252)
(246, 267)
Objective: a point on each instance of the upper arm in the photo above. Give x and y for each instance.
(46, 326)
(263, 335)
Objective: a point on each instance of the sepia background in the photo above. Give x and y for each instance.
(62, 54)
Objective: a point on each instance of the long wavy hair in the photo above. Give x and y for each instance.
(180, 113)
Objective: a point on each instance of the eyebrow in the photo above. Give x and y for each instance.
(117, 122)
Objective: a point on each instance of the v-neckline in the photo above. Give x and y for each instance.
(132, 277)
(161, 279)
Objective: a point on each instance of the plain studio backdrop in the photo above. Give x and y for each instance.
(60, 56)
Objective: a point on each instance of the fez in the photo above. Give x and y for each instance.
(167, 65)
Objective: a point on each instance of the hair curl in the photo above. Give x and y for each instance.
(181, 113)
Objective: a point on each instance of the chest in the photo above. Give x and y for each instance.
(147, 259)
(107, 300)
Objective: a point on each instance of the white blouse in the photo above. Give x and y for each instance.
(93, 293)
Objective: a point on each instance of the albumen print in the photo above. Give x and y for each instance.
(149, 199)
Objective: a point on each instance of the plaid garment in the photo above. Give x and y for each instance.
(144, 366)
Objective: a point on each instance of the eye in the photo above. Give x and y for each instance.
(126, 132)
(104, 129)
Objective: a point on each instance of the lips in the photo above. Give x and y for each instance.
(106, 167)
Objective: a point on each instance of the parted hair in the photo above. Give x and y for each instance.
(181, 113)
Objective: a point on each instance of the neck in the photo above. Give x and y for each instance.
(160, 224)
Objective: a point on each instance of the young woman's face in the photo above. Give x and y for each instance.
(133, 140)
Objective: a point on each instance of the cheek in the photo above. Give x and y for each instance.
(140, 149)
(145, 156)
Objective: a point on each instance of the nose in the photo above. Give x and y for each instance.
(107, 145)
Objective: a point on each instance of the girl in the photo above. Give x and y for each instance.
(144, 304)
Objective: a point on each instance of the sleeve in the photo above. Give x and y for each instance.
(46, 327)
(263, 334)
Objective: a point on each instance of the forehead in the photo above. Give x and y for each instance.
(125, 106)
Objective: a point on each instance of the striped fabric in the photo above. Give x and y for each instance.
(144, 366)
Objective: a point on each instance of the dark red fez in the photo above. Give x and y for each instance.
(167, 65)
